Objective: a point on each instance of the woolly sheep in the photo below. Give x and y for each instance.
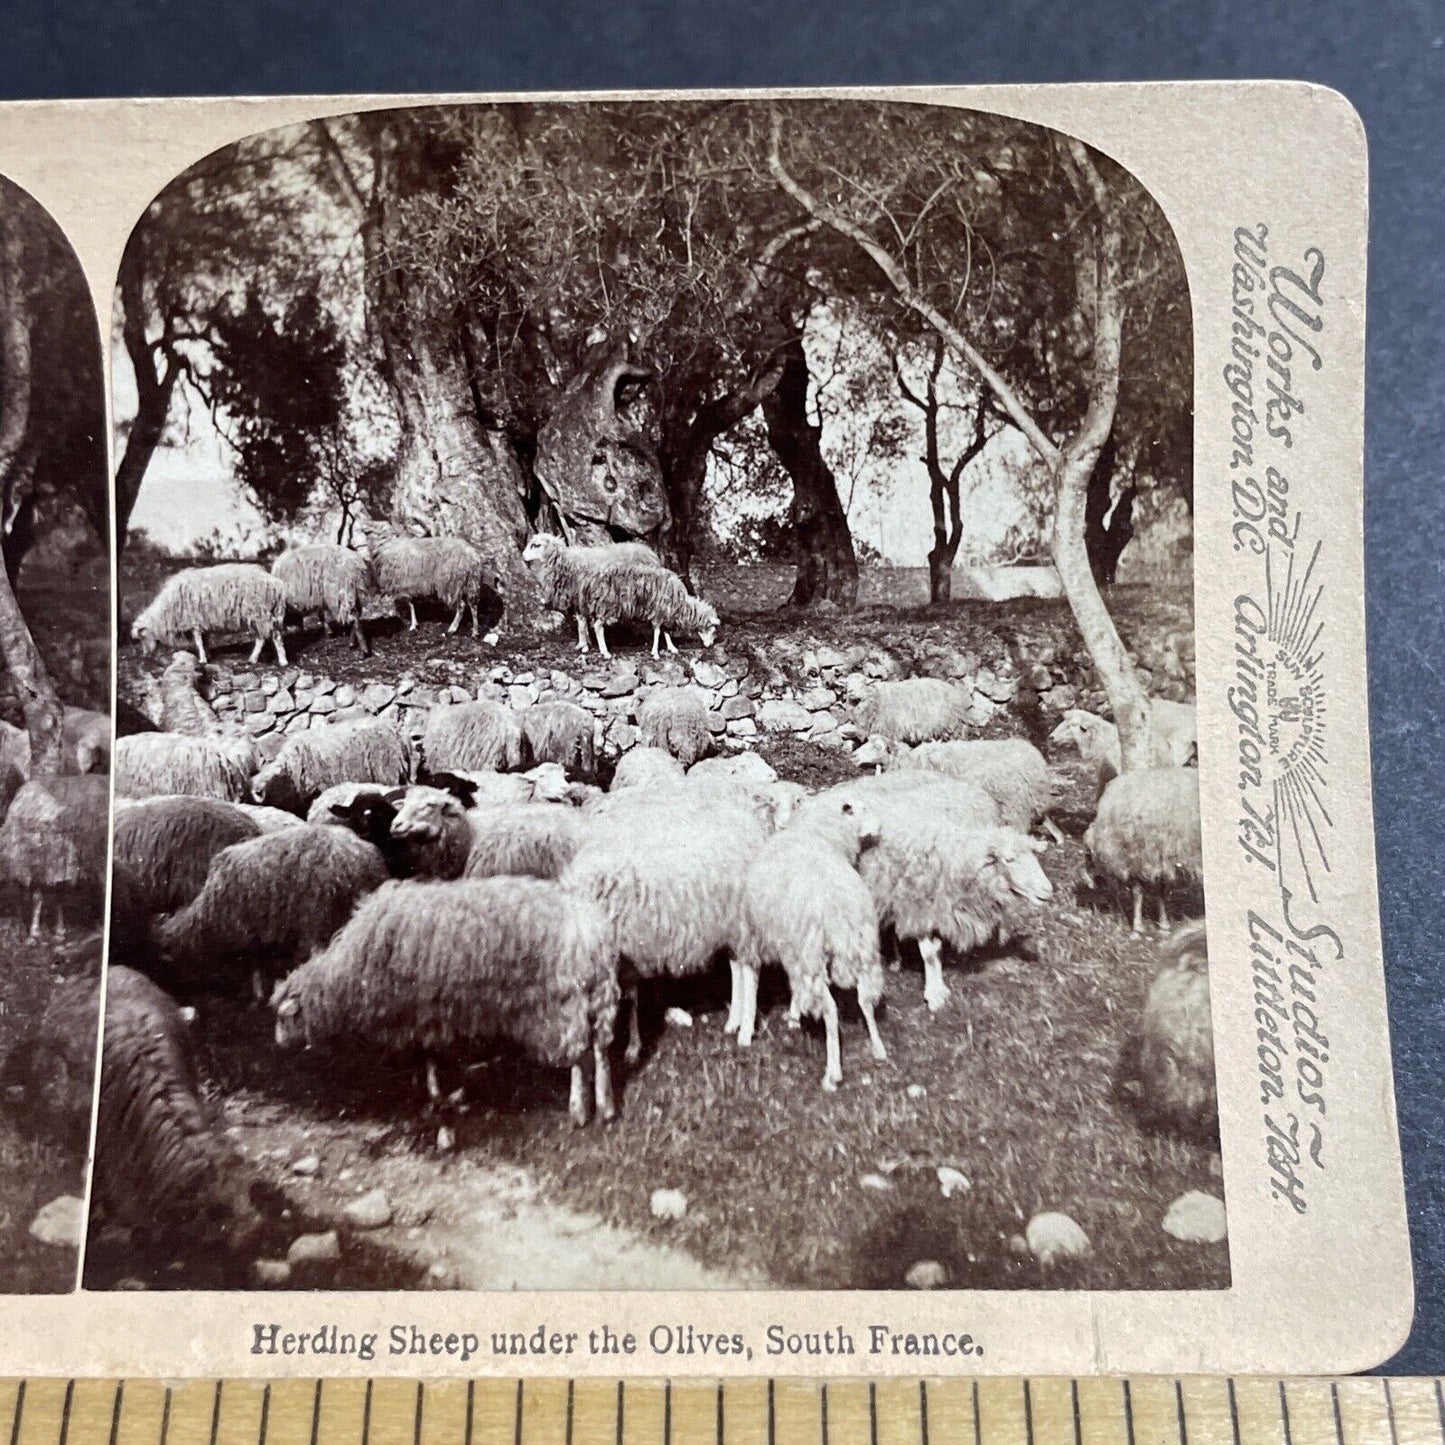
(644, 594)
(825, 934)
(1173, 737)
(269, 820)
(559, 569)
(561, 733)
(676, 720)
(747, 766)
(642, 767)
(183, 709)
(53, 841)
(1146, 834)
(473, 737)
(447, 568)
(162, 1164)
(524, 839)
(913, 710)
(905, 791)
(333, 582)
(167, 844)
(1012, 771)
(435, 830)
(153, 764)
(271, 900)
(455, 966)
(366, 750)
(935, 882)
(546, 783)
(1166, 1067)
(229, 597)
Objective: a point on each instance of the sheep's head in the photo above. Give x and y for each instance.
(857, 689)
(878, 752)
(423, 813)
(1078, 727)
(704, 619)
(541, 546)
(369, 814)
(1016, 857)
(141, 632)
(290, 1029)
(274, 787)
(549, 783)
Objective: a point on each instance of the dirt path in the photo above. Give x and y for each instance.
(459, 1223)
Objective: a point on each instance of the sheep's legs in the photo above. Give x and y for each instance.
(750, 1007)
(601, 633)
(935, 991)
(280, 647)
(602, 1083)
(795, 1017)
(656, 638)
(874, 1038)
(201, 645)
(359, 638)
(1138, 927)
(581, 633)
(433, 1084)
(1163, 914)
(457, 617)
(833, 1074)
(667, 638)
(60, 934)
(412, 608)
(35, 914)
(577, 1102)
(1052, 829)
(735, 1000)
(634, 1028)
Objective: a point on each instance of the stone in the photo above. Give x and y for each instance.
(376, 695)
(371, 1211)
(678, 1016)
(282, 701)
(926, 1274)
(1197, 1218)
(305, 681)
(782, 715)
(668, 1204)
(1039, 678)
(729, 688)
(742, 727)
(594, 681)
(322, 704)
(404, 686)
(621, 684)
(818, 699)
(952, 1181)
(314, 1248)
(324, 686)
(260, 722)
(736, 707)
(307, 1166)
(270, 1273)
(708, 674)
(269, 685)
(716, 724)
(1052, 1237)
(254, 701)
(736, 668)
(997, 689)
(61, 1222)
(622, 735)
(346, 695)
(823, 724)
(297, 723)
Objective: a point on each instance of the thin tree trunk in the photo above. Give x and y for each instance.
(1108, 525)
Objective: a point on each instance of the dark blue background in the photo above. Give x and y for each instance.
(1387, 57)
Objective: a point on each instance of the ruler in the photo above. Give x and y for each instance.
(1002, 1411)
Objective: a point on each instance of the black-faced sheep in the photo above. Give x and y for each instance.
(268, 902)
(1146, 835)
(167, 844)
(53, 842)
(524, 839)
(149, 765)
(546, 783)
(559, 570)
(229, 597)
(913, 710)
(434, 829)
(446, 568)
(675, 719)
(162, 1164)
(1173, 737)
(333, 582)
(644, 594)
(366, 750)
(473, 737)
(453, 967)
(805, 908)
(1166, 1067)
(561, 733)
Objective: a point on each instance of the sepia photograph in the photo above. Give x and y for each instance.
(655, 737)
(55, 740)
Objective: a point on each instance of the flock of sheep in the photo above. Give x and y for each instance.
(472, 886)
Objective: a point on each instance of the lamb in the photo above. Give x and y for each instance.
(562, 733)
(183, 709)
(366, 750)
(230, 597)
(630, 593)
(1173, 737)
(676, 720)
(162, 1163)
(273, 899)
(154, 764)
(1011, 771)
(914, 710)
(453, 966)
(1146, 834)
(473, 737)
(1166, 1067)
(447, 568)
(559, 569)
(167, 844)
(643, 767)
(333, 582)
(523, 839)
(825, 934)
(53, 841)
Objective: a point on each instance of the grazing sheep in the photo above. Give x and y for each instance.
(183, 709)
(473, 737)
(455, 966)
(149, 765)
(642, 767)
(230, 597)
(630, 593)
(1173, 737)
(914, 710)
(559, 569)
(447, 568)
(562, 733)
(162, 1163)
(366, 750)
(53, 841)
(1011, 771)
(676, 720)
(523, 839)
(167, 844)
(333, 582)
(1166, 1067)
(934, 882)
(825, 934)
(269, 901)
(1146, 834)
